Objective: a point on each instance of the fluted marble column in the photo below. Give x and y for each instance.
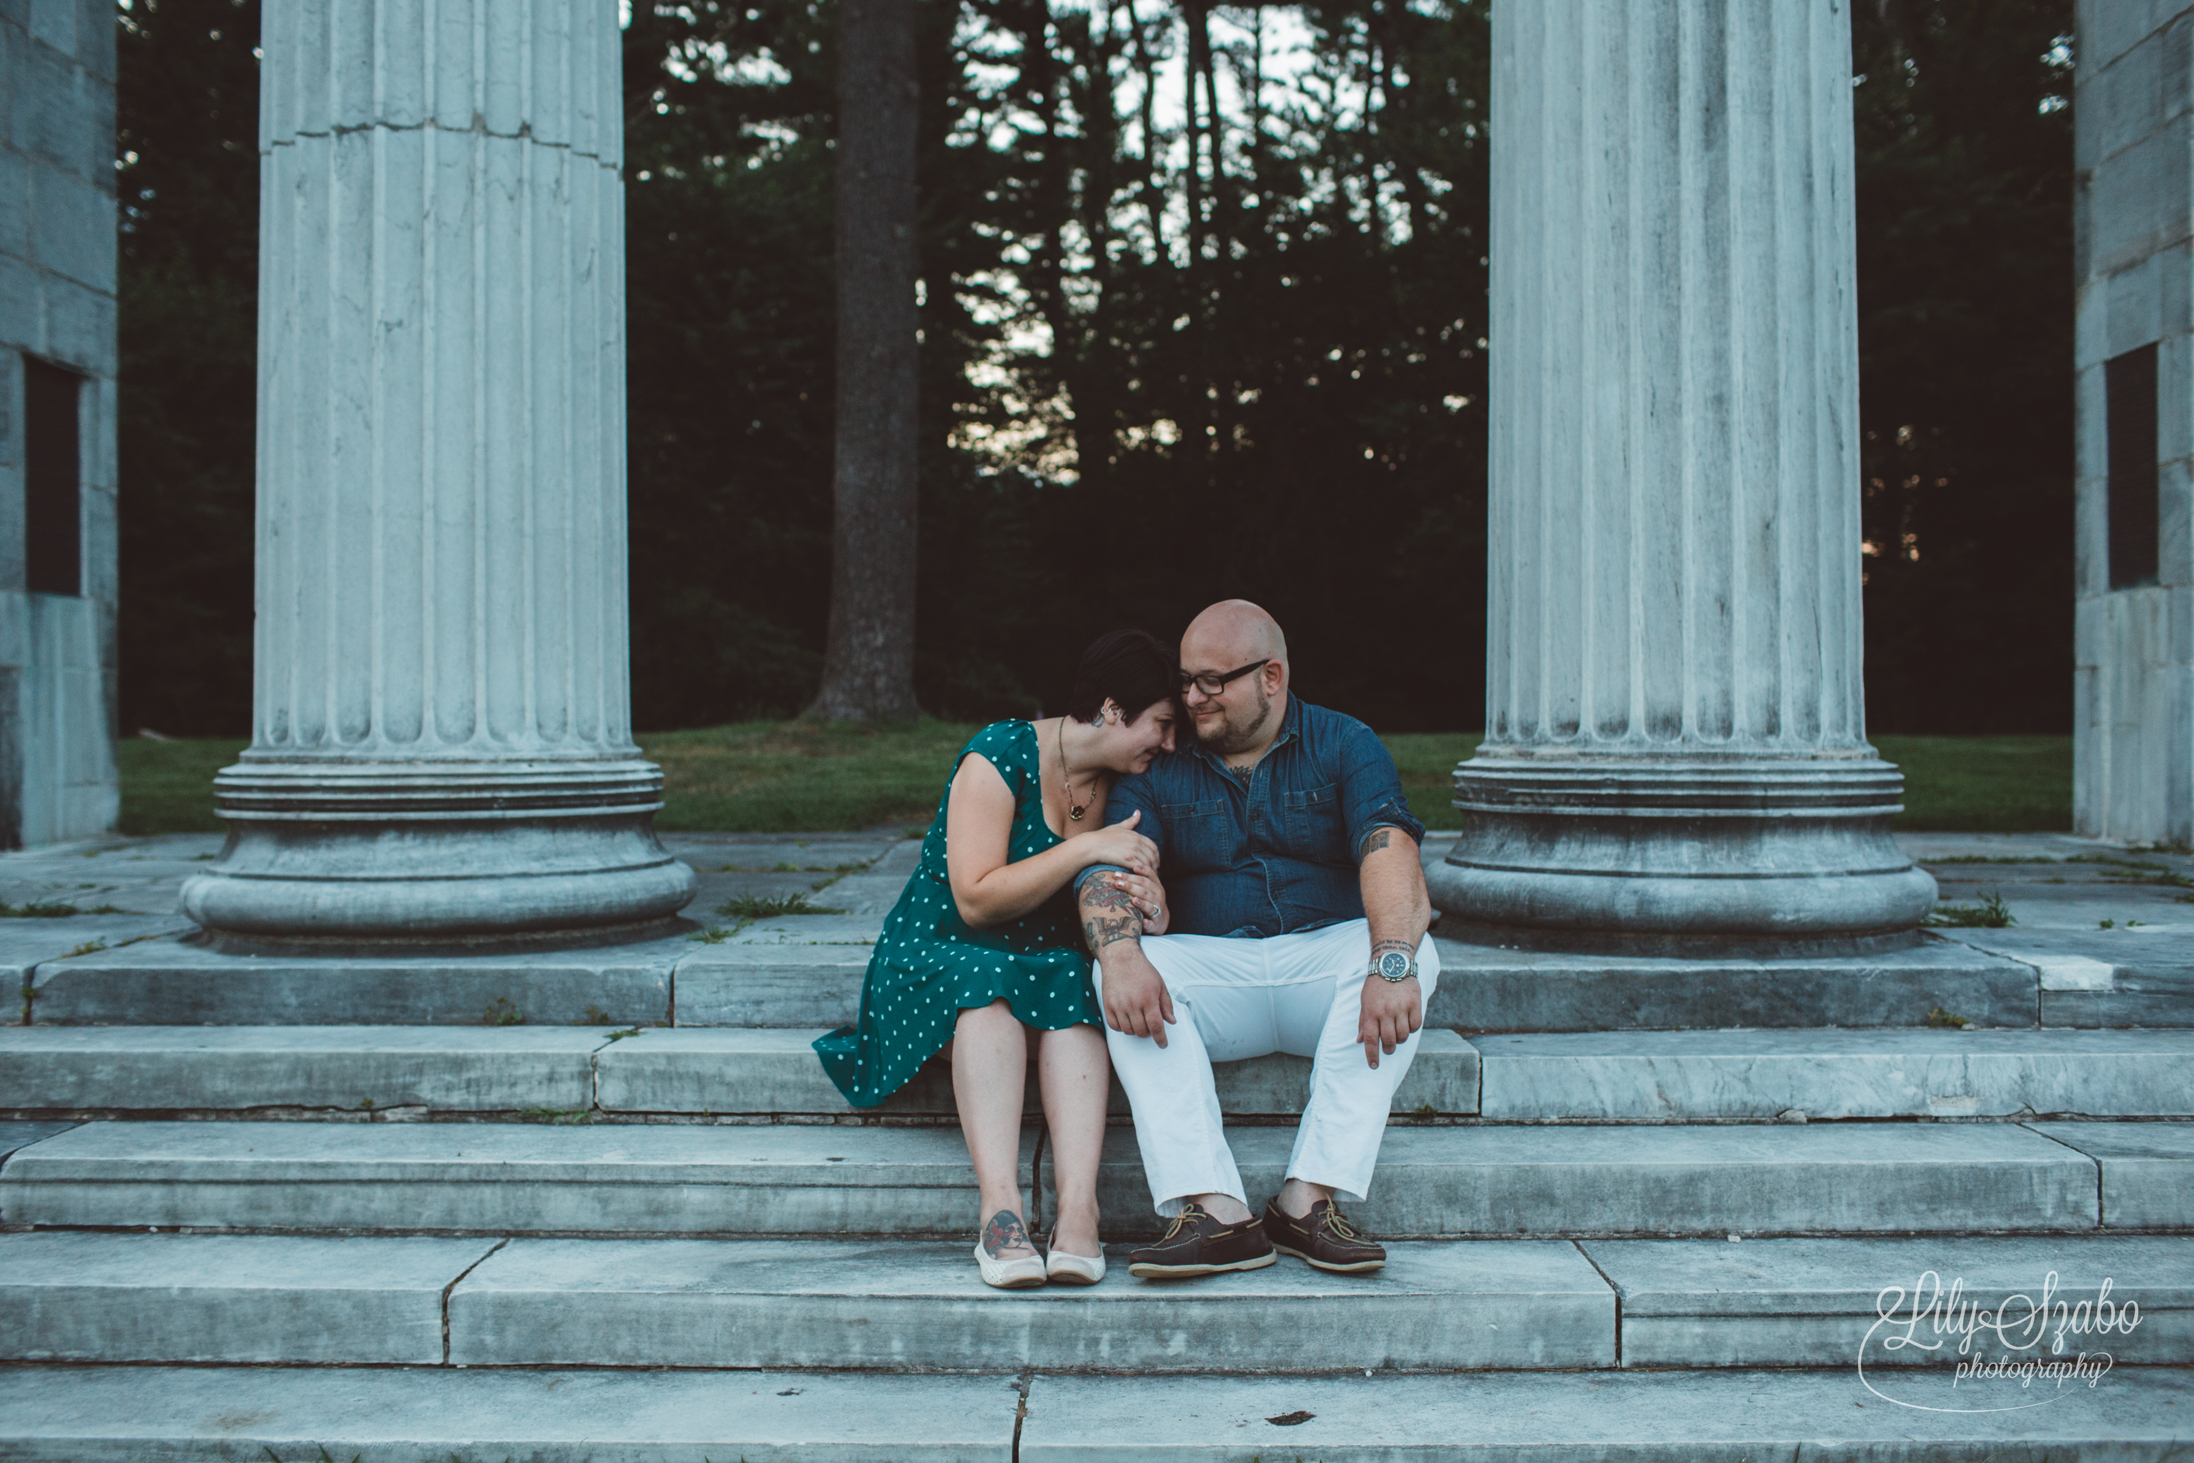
(1675, 749)
(441, 743)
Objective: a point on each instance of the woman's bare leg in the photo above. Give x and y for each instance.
(989, 1068)
(1075, 1076)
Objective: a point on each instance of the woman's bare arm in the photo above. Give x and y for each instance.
(979, 831)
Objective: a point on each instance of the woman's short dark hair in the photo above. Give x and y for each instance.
(1127, 667)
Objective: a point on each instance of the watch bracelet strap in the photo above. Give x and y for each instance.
(1409, 974)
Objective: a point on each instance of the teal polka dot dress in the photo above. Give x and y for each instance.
(929, 965)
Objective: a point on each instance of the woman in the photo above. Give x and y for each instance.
(983, 947)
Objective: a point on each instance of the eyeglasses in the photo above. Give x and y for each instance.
(1212, 685)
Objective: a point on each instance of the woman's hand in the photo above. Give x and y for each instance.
(1120, 844)
(1149, 896)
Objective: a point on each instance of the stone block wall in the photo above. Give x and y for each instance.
(57, 306)
(2134, 268)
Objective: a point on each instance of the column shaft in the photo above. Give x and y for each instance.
(441, 741)
(1675, 736)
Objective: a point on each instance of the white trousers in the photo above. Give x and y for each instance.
(1240, 998)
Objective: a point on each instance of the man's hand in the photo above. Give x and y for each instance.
(1135, 995)
(1391, 1011)
(1136, 1000)
(1396, 911)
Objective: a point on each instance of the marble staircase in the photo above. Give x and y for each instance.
(293, 1209)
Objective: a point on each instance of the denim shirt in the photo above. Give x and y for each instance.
(1279, 854)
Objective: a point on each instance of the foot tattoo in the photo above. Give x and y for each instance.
(1003, 1233)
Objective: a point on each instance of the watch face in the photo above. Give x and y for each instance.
(1394, 965)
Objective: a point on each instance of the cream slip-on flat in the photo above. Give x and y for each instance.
(1066, 1269)
(1024, 1273)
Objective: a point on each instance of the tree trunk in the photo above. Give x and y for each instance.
(868, 660)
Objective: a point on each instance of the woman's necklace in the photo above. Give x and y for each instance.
(1074, 809)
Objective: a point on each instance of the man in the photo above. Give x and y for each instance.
(1297, 923)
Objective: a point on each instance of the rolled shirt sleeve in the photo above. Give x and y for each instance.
(1371, 789)
(1130, 795)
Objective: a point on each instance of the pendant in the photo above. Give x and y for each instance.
(1076, 813)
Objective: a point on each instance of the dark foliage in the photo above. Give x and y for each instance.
(1277, 393)
(728, 215)
(1244, 361)
(187, 118)
(1285, 399)
(1965, 333)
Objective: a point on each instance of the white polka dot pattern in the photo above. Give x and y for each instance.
(929, 965)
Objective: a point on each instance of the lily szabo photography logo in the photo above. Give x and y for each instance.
(2025, 1350)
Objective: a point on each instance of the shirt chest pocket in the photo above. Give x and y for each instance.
(1311, 826)
(1199, 836)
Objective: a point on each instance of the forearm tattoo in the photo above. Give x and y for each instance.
(1375, 840)
(1003, 1233)
(1109, 915)
(1382, 946)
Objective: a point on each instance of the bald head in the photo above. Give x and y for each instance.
(1230, 633)
(1240, 720)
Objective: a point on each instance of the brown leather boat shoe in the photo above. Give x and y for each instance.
(1323, 1238)
(1197, 1244)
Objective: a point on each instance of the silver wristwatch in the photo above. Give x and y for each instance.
(1395, 967)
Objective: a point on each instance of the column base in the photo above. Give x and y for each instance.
(1649, 856)
(358, 852)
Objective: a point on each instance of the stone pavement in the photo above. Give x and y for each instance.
(2050, 880)
(111, 903)
(144, 876)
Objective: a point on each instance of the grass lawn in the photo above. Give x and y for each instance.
(1983, 784)
(167, 787)
(778, 776)
(798, 777)
(1427, 761)
(1952, 784)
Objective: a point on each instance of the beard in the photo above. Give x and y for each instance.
(1237, 730)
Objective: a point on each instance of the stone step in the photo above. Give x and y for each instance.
(566, 1070)
(898, 1305)
(1570, 1417)
(22, 1135)
(1654, 1076)
(53, 1414)
(183, 982)
(891, 1305)
(776, 978)
(1494, 988)
(1665, 1076)
(807, 972)
(1829, 1302)
(762, 1069)
(915, 1305)
(71, 1295)
(56, 1414)
(360, 1069)
(2137, 973)
(865, 1180)
(2147, 1169)
(26, 945)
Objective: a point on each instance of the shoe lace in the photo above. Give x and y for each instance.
(1338, 1224)
(1189, 1215)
